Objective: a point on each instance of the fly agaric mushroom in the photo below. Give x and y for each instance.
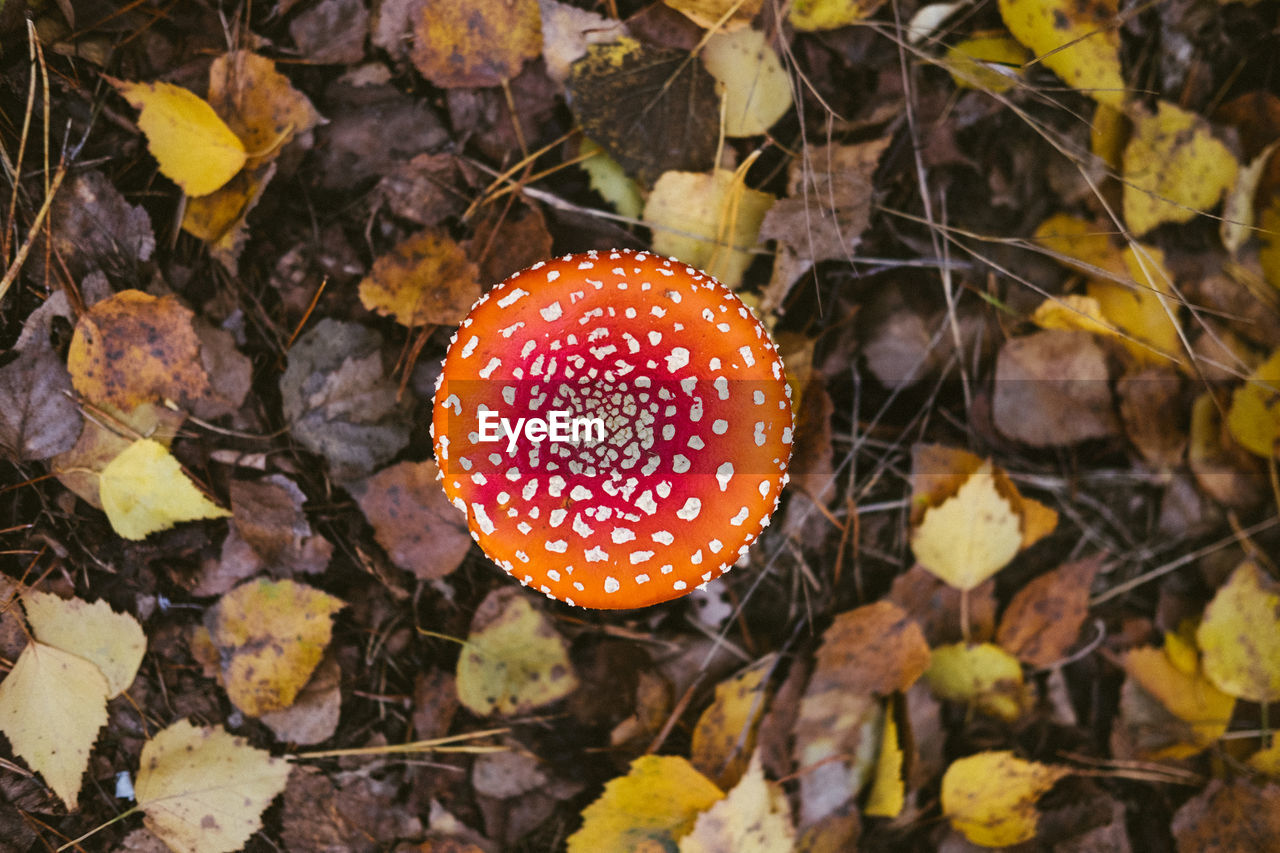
(615, 426)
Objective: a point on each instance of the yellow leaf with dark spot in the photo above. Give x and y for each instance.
(478, 43)
(991, 797)
(513, 660)
(144, 491)
(1079, 40)
(52, 704)
(1254, 417)
(195, 148)
(425, 279)
(1239, 636)
(983, 675)
(1174, 168)
(271, 635)
(136, 348)
(203, 790)
(656, 803)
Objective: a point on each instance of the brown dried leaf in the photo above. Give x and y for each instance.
(876, 649)
(935, 606)
(1153, 409)
(426, 279)
(475, 44)
(1043, 620)
(1229, 817)
(413, 520)
(332, 32)
(1051, 389)
(268, 515)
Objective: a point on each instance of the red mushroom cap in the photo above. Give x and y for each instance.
(696, 416)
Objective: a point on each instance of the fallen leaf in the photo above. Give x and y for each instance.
(339, 401)
(136, 348)
(332, 32)
(1174, 169)
(888, 791)
(1229, 817)
(221, 217)
(1222, 468)
(1078, 41)
(194, 148)
(708, 220)
(425, 279)
(202, 790)
(817, 15)
(725, 736)
(104, 438)
(1254, 417)
(313, 716)
(144, 490)
(650, 107)
(39, 417)
(729, 14)
(754, 817)
(971, 535)
(271, 636)
(1043, 620)
(1239, 635)
(413, 520)
(876, 649)
(756, 90)
(834, 742)
(269, 517)
(513, 661)
(991, 60)
(111, 641)
(94, 227)
(610, 180)
(1051, 389)
(1153, 409)
(935, 606)
(1189, 697)
(482, 43)
(982, 675)
(656, 803)
(991, 797)
(426, 190)
(52, 704)
(259, 104)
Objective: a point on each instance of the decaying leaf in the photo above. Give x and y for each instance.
(1174, 169)
(499, 36)
(708, 220)
(269, 518)
(757, 92)
(877, 648)
(724, 738)
(313, 716)
(566, 32)
(195, 148)
(982, 675)
(1078, 41)
(427, 278)
(754, 817)
(1043, 620)
(991, 797)
(271, 635)
(1229, 816)
(136, 348)
(52, 704)
(111, 641)
(651, 108)
(514, 660)
(144, 490)
(38, 416)
(203, 790)
(1239, 635)
(656, 803)
(708, 14)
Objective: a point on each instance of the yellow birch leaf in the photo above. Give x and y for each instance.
(1188, 696)
(513, 660)
(203, 790)
(271, 635)
(983, 675)
(757, 92)
(991, 797)
(195, 148)
(990, 60)
(971, 535)
(1174, 168)
(52, 704)
(114, 642)
(1073, 311)
(709, 221)
(888, 790)
(79, 469)
(143, 490)
(725, 736)
(814, 15)
(710, 13)
(1254, 417)
(754, 817)
(1239, 636)
(1079, 40)
(652, 807)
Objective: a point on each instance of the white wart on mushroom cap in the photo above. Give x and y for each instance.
(697, 418)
